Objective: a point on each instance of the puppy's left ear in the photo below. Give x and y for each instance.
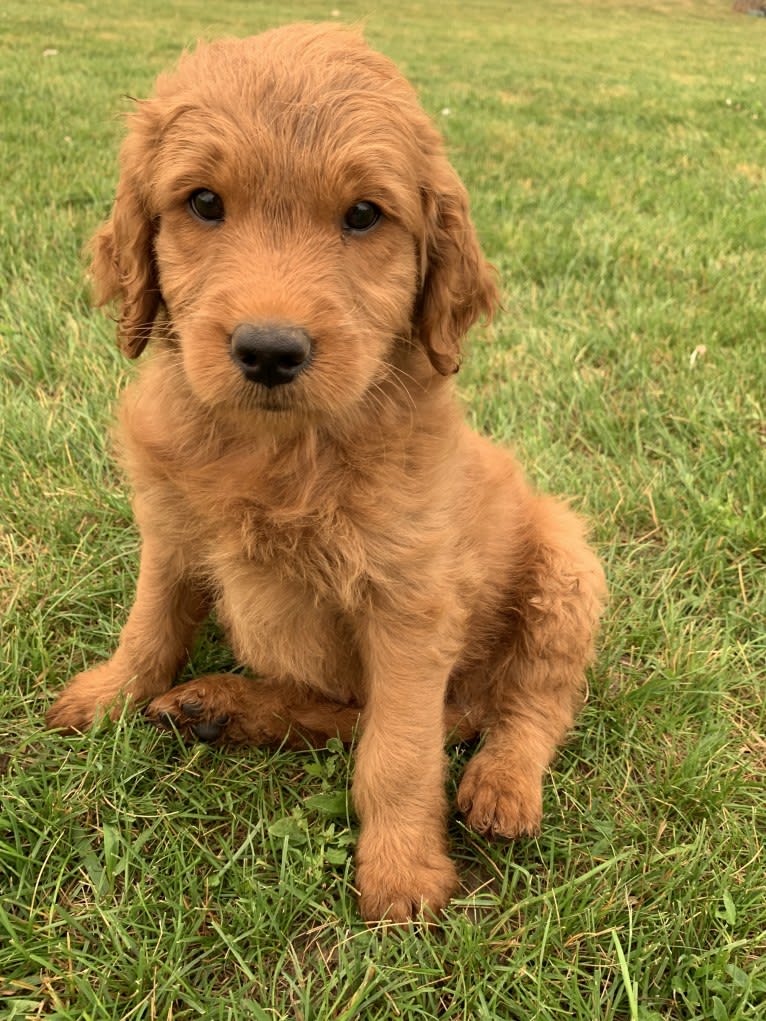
(458, 284)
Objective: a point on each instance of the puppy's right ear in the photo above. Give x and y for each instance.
(122, 254)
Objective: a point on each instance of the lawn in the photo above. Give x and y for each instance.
(616, 159)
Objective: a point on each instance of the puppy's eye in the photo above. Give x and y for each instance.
(362, 216)
(206, 205)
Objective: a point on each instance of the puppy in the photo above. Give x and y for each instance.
(291, 242)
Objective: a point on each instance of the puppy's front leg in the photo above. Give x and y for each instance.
(399, 780)
(153, 645)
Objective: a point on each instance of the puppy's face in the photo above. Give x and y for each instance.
(285, 248)
(288, 203)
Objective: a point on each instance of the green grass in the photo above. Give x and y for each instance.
(615, 154)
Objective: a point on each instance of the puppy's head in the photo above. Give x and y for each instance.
(287, 205)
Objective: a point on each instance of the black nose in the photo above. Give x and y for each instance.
(272, 354)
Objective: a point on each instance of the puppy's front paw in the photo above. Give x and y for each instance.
(401, 889)
(499, 800)
(88, 696)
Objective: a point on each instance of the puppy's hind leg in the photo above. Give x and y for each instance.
(230, 709)
(539, 685)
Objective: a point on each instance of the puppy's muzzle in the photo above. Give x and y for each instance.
(272, 354)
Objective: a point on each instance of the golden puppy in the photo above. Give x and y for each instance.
(289, 236)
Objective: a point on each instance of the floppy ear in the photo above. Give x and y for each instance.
(122, 255)
(458, 284)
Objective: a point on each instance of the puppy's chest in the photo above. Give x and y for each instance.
(320, 552)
